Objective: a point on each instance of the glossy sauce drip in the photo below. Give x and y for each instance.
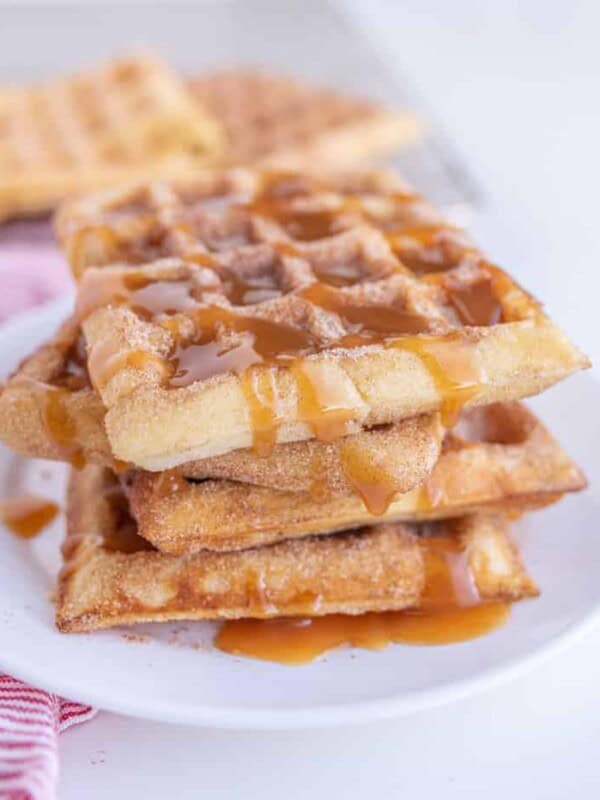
(53, 402)
(258, 341)
(451, 611)
(304, 226)
(260, 391)
(322, 407)
(54, 399)
(145, 296)
(366, 323)
(477, 304)
(169, 482)
(277, 200)
(27, 515)
(375, 484)
(301, 640)
(428, 248)
(450, 363)
(104, 363)
(212, 340)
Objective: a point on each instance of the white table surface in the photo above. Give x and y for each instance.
(516, 84)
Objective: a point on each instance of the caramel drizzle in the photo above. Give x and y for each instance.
(58, 422)
(451, 368)
(296, 641)
(327, 416)
(27, 516)
(260, 390)
(375, 485)
(224, 340)
(450, 610)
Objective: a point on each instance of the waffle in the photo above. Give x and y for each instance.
(377, 462)
(111, 577)
(128, 121)
(271, 119)
(289, 308)
(497, 457)
(48, 409)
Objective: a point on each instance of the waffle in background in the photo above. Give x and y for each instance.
(271, 120)
(129, 120)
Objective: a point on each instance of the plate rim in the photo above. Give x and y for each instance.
(318, 716)
(326, 715)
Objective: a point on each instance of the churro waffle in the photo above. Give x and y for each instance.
(48, 409)
(110, 577)
(497, 457)
(299, 307)
(396, 457)
(272, 119)
(131, 120)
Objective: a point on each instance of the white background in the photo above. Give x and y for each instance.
(517, 86)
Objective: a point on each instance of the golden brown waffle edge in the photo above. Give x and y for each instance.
(498, 457)
(378, 568)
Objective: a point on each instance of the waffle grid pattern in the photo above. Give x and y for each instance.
(118, 121)
(265, 115)
(369, 238)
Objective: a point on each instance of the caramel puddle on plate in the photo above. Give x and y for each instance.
(27, 515)
(301, 640)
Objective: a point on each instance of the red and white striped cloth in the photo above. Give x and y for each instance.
(31, 272)
(30, 721)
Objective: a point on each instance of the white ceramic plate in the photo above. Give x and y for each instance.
(174, 675)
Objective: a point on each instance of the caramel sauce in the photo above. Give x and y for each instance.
(212, 340)
(27, 515)
(145, 296)
(450, 364)
(276, 200)
(375, 485)
(104, 363)
(304, 226)
(53, 402)
(169, 482)
(450, 611)
(477, 304)
(428, 248)
(297, 641)
(320, 406)
(258, 341)
(366, 323)
(260, 391)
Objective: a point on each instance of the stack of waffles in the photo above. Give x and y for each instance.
(288, 395)
(136, 119)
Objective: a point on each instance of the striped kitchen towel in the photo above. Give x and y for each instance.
(30, 722)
